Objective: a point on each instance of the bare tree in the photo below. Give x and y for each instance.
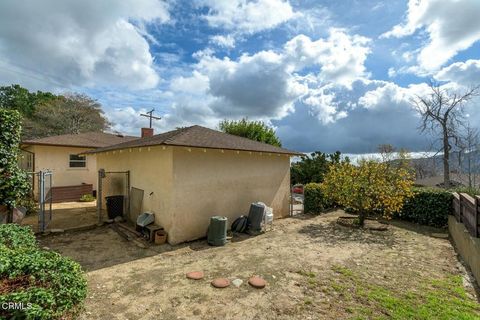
(442, 113)
(468, 147)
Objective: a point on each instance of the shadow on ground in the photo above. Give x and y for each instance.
(102, 247)
(334, 234)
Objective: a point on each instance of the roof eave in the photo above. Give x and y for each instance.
(58, 145)
(287, 152)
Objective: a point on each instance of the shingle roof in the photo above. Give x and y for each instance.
(200, 137)
(87, 140)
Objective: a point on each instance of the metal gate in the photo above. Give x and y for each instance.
(44, 179)
(113, 184)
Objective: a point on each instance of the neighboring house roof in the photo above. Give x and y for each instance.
(86, 140)
(200, 137)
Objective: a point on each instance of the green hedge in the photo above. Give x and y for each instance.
(14, 183)
(315, 202)
(49, 285)
(428, 206)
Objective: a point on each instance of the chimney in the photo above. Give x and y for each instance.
(147, 132)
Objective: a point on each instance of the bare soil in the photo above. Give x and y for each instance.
(127, 282)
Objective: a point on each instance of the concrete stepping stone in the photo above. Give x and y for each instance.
(221, 283)
(257, 282)
(195, 275)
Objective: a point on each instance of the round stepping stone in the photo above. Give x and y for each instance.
(195, 275)
(257, 282)
(221, 283)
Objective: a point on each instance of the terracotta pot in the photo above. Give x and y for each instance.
(160, 237)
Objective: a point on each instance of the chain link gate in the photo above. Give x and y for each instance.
(44, 180)
(111, 186)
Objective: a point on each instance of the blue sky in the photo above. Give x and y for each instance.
(328, 75)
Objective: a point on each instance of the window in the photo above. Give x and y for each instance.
(77, 161)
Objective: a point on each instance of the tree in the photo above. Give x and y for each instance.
(312, 168)
(369, 188)
(469, 143)
(254, 130)
(70, 114)
(18, 98)
(14, 183)
(45, 113)
(442, 114)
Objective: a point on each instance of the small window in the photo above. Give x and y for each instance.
(77, 161)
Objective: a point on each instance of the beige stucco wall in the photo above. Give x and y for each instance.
(150, 170)
(210, 182)
(56, 159)
(190, 185)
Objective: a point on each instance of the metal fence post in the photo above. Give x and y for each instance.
(127, 204)
(99, 197)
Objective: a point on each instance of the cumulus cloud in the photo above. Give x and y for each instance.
(80, 42)
(464, 73)
(267, 84)
(247, 16)
(341, 56)
(378, 112)
(451, 25)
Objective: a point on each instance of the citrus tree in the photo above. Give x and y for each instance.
(370, 187)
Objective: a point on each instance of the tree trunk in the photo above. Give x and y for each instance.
(446, 157)
(361, 218)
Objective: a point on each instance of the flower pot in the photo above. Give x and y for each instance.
(160, 237)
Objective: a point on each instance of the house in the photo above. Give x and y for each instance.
(193, 173)
(73, 174)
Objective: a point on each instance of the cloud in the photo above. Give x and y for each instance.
(247, 17)
(452, 26)
(227, 41)
(378, 112)
(341, 56)
(464, 73)
(79, 43)
(267, 85)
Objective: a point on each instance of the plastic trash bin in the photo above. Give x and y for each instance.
(114, 206)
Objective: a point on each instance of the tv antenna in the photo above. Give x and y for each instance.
(150, 115)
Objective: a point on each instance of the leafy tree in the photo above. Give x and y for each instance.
(312, 168)
(45, 113)
(14, 183)
(18, 98)
(254, 130)
(71, 114)
(369, 188)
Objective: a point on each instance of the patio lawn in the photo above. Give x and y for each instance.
(315, 269)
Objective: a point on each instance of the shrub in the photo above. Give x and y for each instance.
(29, 204)
(428, 206)
(49, 286)
(369, 188)
(468, 190)
(315, 201)
(87, 198)
(14, 183)
(14, 237)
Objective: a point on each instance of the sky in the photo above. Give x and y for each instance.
(327, 75)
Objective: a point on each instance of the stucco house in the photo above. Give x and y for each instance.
(193, 173)
(73, 174)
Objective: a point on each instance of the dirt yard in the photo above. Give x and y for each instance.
(67, 215)
(315, 269)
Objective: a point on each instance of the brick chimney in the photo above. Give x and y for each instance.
(147, 132)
